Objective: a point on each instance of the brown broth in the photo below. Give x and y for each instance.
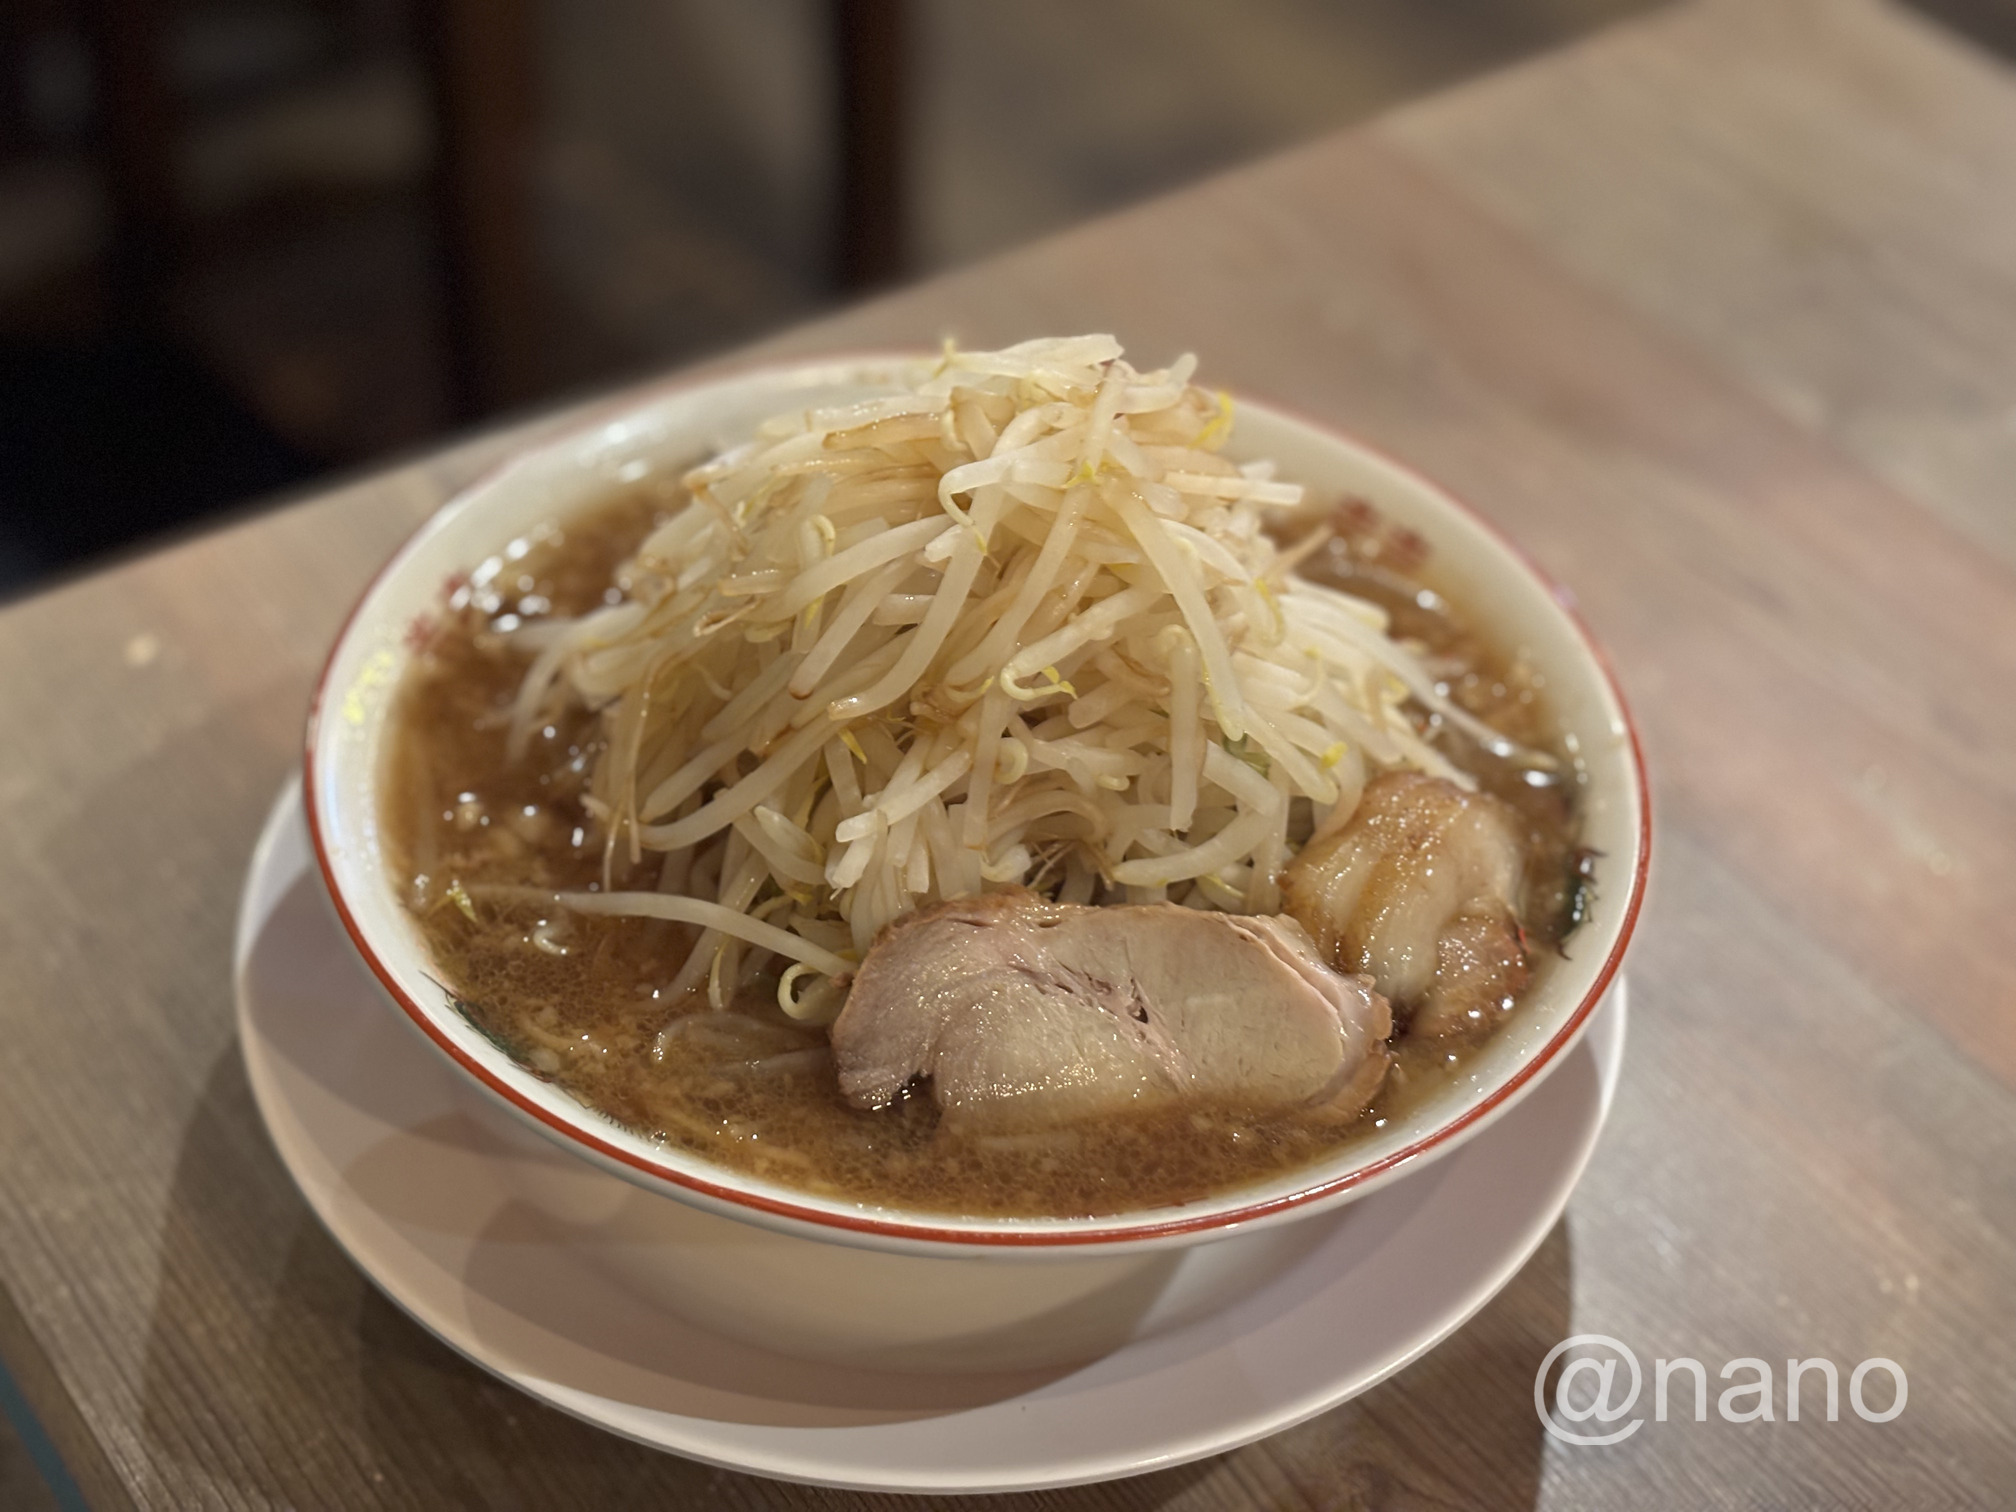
(580, 1000)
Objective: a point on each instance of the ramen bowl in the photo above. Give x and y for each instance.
(667, 429)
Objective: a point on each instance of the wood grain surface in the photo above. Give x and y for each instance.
(1716, 314)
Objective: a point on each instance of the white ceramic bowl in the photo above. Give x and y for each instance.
(1470, 562)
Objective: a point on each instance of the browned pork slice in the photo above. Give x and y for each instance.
(1026, 1014)
(1419, 891)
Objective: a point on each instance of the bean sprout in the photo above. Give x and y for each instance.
(1021, 625)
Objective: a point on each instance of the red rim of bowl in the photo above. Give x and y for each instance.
(925, 1231)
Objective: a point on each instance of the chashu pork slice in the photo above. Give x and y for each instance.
(1025, 1014)
(1420, 892)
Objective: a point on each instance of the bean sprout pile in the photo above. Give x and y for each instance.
(1021, 624)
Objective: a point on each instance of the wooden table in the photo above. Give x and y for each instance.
(1716, 314)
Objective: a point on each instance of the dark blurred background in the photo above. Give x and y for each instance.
(245, 242)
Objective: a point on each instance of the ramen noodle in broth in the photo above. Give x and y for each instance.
(673, 776)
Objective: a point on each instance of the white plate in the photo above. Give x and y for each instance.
(405, 1170)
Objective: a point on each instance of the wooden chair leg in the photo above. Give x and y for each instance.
(13, 61)
(871, 43)
(136, 133)
(481, 67)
